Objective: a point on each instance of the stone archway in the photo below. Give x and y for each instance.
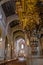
(19, 44)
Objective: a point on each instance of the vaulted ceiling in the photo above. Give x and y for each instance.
(14, 23)
(9, 8)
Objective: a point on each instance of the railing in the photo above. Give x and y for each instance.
(12, 62)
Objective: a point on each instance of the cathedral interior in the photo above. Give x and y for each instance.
(21, 32)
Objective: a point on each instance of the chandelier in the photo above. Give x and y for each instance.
(27, 12)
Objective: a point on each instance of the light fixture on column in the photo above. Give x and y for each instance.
(0, 39)
(8, 45)
(28, 42)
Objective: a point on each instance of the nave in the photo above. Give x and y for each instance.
(21, 32)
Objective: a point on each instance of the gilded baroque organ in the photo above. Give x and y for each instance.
(28, 13)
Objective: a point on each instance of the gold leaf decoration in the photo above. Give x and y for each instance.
(27, 12)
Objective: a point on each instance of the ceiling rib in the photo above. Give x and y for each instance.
(3, 1)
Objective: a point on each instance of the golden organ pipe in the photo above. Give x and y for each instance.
(26, 10)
